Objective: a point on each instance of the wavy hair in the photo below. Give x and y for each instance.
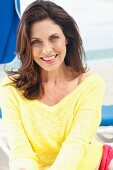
(29, 80)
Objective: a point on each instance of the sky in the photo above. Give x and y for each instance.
(94, 19)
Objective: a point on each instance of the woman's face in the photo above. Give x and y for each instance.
(48, 44)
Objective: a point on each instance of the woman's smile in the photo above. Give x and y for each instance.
(50, 60)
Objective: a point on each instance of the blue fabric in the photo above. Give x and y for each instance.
(0, 113)
(107, 115)
(18, 5)
(9, 20)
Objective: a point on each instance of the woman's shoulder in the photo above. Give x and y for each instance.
(5, 89)
(8, 88)
(7, 84)
(5, 81)
(8, 80)
(90, 82)
(89, 77)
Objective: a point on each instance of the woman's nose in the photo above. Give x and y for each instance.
(47, 48)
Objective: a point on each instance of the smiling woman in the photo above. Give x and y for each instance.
(53, 101)
(44, 35)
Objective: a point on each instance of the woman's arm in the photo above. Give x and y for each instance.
(83, 130)
(22, 154)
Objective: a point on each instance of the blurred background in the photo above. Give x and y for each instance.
(94, 18)
(95, 22)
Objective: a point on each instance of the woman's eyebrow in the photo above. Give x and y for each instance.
(34, 38)
(55, 34)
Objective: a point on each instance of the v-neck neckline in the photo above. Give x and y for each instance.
(66, 97)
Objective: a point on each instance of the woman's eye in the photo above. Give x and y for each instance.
(54, 38)
(35, 42)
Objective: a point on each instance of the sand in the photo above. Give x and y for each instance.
(105, 69)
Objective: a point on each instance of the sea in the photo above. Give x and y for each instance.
(99, 54)
(93, 56)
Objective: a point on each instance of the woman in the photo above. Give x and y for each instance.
(53, 102)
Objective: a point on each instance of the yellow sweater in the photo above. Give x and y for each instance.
(59, 137)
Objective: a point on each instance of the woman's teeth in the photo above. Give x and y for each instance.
(49, 58)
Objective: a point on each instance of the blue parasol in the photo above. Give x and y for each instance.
(9, 20)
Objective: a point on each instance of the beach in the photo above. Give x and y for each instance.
(104, 68)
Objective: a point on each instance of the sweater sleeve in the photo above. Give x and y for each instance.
(22, 154)
(84, 127)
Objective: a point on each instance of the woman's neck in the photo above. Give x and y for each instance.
(57, 76)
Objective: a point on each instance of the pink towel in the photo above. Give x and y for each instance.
(107, 156)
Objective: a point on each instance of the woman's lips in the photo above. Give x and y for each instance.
(49, 60)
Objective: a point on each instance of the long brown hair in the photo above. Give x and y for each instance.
(29, 80)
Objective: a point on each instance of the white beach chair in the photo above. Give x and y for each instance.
(3, 140)
(105, 131)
